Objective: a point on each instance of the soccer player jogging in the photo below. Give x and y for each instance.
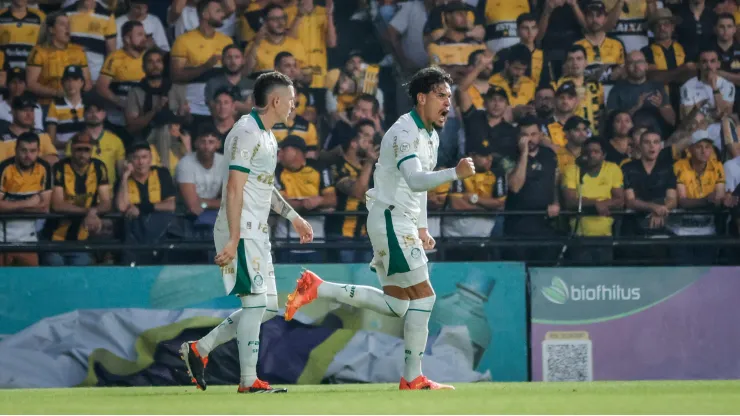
(397, 225)
(241, 233)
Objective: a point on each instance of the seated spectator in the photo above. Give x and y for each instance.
(487, 128)
(649, 189)
(365, 107)
(440, 16)
(725, 29)
(185, 16)
(518, 86)
(200, 174)
(299, 126)
(93, 28)
(80, 187)
(223, 115)
(527, 30)
(25, 186)
(196, 57)
(16, 88)
(155, 33)
(590, 93)
(596, 185)
(305, 101)
(24, 108)
(484, 191)
(123, 69)
(618, 144)
(352, 178)
(475, 85)
(544, 102)
(644, 100)
(65, 118)
(272, 39)
(715, 94)
(531, 185)
(313, 26)
(451, 50)
(233, 79)
(576, 133)
(20, 31)
(47, 61)
(308, 189)
(146, 196)
(566, 105)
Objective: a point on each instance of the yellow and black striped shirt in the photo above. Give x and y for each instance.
(610, 51)
(19, 35)
(125, 72)
(17, 185)
(590, 99)
(348, 226)
(80, 190)
(299, 127)
(69, 118)
(92, 28)
(157, 188)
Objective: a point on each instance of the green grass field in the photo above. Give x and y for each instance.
(680, 397)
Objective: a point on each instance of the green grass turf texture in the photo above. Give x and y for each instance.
(671, 397)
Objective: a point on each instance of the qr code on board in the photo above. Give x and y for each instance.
(567, 360)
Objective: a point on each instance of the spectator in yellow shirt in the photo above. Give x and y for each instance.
(519, 87)
(314, 27)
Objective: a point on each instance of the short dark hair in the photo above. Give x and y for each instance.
(356, 131)
(136, 146)
(51, 19)
(726, 16)
(129, 26)
(423, 81)
(474, 56)
(153, 51)
(203, 5)
(266, 11)
(650, 131)
(280, 56)
(230, 47)
(266, 83)
(544, 87)
(612, 118)
(519, 53)
(223, 91)
(527, 121)
(206, 129)
(707, 49)
(28, 137)
(576, 48)
(369, 98)
(525, 17)
(592, 140)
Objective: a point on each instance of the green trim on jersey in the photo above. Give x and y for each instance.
(239, 168)
(396, 262)
(243, 284)
(417, 120)
(255, 115)
(398, 165)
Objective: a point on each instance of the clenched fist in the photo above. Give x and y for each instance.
(465, 168)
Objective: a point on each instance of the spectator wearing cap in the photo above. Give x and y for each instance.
(502, 22)
(123, 69)
(445, 10)
(305, 100)
(576, 131)
(618, 144)
(107, 146)
(527, 30)
(223, 115)
(81, 188)
(20, 26)
(709, 91)
(66, 114)
(519, 87)
(474, 85)
(451, 50)
(566, 104)
(489, 126)
(299, 126)
(196, 57)
(596, 185)
(649, 188)
(728, 50)
(24, 118)
(272, 39)
(696, 20)
(484, 191)
(139, 12)
(25, 187)
(47, 61)
(531, 185)
(146, 195)
(646, 101)
(600, 49)
(313, 26)
(234, 79)
(17, 87)
(307, 187)
(590, 92)
(406, 33)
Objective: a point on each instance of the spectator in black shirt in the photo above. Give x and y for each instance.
(365, 106)
(544, 103)
(223, 115)
(728, 51)
(695, 27)
(618, 144)
(532, 186)
(487, 127)
(560, 25)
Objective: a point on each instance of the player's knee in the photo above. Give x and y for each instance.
(271, 308)
(423, 304)
(399, 307)
(254, 301)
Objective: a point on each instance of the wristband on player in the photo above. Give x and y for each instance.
(291, 215)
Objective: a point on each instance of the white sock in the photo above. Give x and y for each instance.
(248, 336)
(365, 297)
(226, 331)
(415, 334)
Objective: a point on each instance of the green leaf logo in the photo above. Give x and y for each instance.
(557, 292)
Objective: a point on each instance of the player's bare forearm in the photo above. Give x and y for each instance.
(281, 206)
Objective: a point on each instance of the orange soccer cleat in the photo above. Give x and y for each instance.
(305, 292)
(260, 386)
(422, 383)
(195, 364)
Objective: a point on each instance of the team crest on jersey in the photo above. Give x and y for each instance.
(405, 148)
(245, 154)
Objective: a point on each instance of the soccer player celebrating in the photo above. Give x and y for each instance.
(397, 225)
(241, 233)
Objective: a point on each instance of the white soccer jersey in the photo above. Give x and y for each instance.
(253, 150)
(406, 139)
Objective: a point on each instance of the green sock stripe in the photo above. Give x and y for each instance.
(392, 311)
(270, 310)
(419, 310)
(253, 307)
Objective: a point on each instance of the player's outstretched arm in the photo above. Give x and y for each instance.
(281, 206)
(420, 181)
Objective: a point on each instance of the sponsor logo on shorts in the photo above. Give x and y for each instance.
(256, 264)
(258, 280)
(382, 253)
(227, 269)
(409, 240)
(415, 253)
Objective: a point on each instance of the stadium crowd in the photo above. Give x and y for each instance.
(586, 106)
